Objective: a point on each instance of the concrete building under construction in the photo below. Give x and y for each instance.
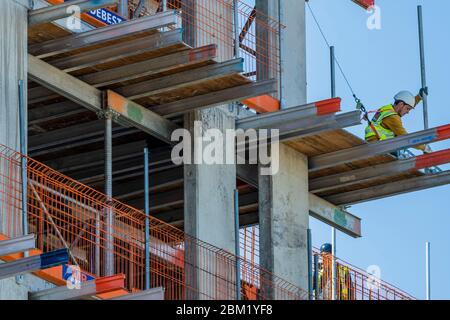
(91, 93)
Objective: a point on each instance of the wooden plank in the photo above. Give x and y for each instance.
(356, 176)
(391, 189)
(151, 66)
(397, 178)
(122, 50)
(100, 35)
(52, 112)
(91, 98)
(182, 79)
(378, 148)
(132, 71)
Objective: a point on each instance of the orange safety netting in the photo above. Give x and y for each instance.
(352, 283)
(212, 22)
(63, 211)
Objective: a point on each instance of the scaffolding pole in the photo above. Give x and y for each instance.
(333, 252)
(422, 67)
(428, 270)
(333, 230)
(237, 43)
(109, 265)
(237, 244)
(23, 150)
(310, 266)
(316, 277)
(123, 8)
(333, 72)
(147, 222)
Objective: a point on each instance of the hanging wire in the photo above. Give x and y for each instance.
(329, 46)
(359, 105)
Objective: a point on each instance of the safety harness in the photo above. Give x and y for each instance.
(360, 106)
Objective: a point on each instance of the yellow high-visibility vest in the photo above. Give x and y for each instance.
(344, 282)
(383, 133)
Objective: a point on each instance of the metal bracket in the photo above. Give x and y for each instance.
(115, 116)
(108, 114)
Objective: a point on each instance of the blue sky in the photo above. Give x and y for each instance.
(380, 63)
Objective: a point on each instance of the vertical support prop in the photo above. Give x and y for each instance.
(123, 8)
(333, 274)
(237, 244)
(237, 42)
(109, 266)
(147, 221)
(24, 151)
(237, 45)
(422, 67)
(316, 277)
(333, 72)
(333, 230)
(310, 266)
(281, 53)
(97, 243)
(428, 270)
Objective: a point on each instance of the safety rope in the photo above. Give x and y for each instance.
(329, 46)
(359, 104)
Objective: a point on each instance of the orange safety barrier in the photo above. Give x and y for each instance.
(185, 266)
(212, 22)
(352, 284)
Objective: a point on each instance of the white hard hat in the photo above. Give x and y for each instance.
(407, 97)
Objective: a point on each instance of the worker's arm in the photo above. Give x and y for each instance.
(394, 123)
(418, 99)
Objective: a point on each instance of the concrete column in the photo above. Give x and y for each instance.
(284, 219)
(283, 197)
(209, 188)
(208, 212)
(13, 67)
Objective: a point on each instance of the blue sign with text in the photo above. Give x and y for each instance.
(106, 16)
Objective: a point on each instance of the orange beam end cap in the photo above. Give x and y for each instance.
(263, 104)
(328, 106)
(433, 159)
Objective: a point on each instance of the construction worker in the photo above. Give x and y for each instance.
(387, 122)
(324, 276)
(345, 284)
